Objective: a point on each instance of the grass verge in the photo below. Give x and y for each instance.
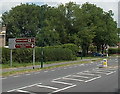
(39, 69)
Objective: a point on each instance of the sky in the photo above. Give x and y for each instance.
(6, 5)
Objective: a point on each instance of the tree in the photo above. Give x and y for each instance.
(47, 37)
(22, 20)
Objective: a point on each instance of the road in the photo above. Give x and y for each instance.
(87, 77)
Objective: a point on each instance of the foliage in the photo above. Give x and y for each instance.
(82, 25)
(49, 54)
(74, 48)
(114, 51)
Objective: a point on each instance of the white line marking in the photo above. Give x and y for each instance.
(52, 70)
(110, 73)
(62, 89)
(75, 66)
(66, 76)
(47, 87)
(27, 74)
(82, 64)
(73, 79)
(85, 73)
(57, 78)
(4, 78)
(65, 68)
(37, 72)
(93, 79)
(45, 71)
(23, 87)
(17, 76)
(80, 76)
(103, 71)
(62, 82)
(22, 91)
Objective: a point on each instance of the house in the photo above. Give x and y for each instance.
(2, 36)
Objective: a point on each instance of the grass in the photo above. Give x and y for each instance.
(17, 65)
(38, 69)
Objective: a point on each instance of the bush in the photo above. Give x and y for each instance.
(50, 54)
(5, 55)
(74, 48)
(114, 51)
(56, 54)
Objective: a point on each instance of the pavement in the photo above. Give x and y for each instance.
(45, 65)
(77, 78)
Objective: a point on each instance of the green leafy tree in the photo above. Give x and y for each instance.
(22, 20)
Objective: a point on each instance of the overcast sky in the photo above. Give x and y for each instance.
(6, 5)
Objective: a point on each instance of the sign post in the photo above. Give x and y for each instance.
(33, 58)
(15, 43)
(11, 57)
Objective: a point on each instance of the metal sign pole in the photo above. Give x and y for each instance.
(11, 57)
(41, 57)
(33, 58)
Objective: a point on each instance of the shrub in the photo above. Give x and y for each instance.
(74, 48)
(56, 54)
(50, 54)
(5, 55)
(114, 51)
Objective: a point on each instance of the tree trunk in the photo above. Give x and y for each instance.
(102, 48)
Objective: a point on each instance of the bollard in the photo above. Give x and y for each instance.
(104, 62)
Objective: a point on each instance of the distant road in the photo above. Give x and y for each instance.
(74, 78)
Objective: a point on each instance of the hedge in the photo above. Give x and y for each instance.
(49, 54)
(114, 51)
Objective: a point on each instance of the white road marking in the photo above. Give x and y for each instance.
(52, 70)
(72, 79)
(23, 87)
(80, 76)
(27, 74)
(37, 72)
(17, 76)
(110, 73)
(93, 79)
(62, 89)
(22, 91)
(99, 72)
(75, 66)
(47, 87)
(45, 71)
(57, 79)
(82, 64)
(85, 73)
(4, 78)
(65, 68)
(62, 82)
(103, 71)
